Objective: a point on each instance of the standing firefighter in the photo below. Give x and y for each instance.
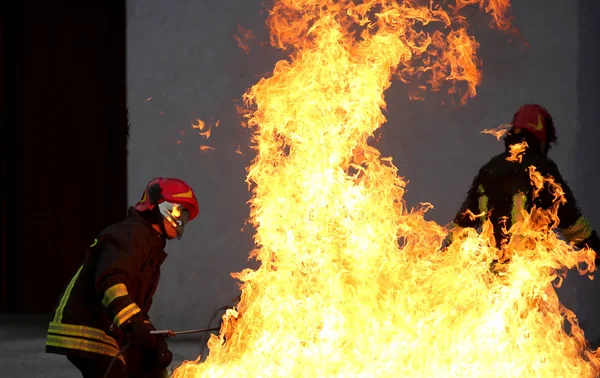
(503, 186)
(106, 304)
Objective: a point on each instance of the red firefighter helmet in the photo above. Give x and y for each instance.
(536, 120)
(175, 200)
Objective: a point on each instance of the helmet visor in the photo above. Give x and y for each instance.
(177, 215)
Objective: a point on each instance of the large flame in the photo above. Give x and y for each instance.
(352, 283)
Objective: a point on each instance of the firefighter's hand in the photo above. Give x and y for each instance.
(164, 357)
(138, 333)
(445, 244)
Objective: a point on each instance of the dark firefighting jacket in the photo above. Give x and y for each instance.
(502, 188)
(116, 282)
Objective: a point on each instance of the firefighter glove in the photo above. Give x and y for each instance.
(138, 333)
(164, 357)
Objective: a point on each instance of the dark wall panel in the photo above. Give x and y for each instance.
(67, 105)
(587, 158)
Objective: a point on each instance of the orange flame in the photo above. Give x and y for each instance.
(499, 9)
(242, 37)
(516, 152)
(351, 282)
(176, 211)
(204, 127)
(498, 132)
(200, 124)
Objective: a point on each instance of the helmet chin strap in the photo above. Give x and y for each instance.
(163, 229)
(159, 221)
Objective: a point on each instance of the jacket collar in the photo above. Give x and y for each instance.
(134, 214)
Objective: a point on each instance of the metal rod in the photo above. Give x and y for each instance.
(169, 332)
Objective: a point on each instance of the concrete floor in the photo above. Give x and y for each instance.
(22, 355)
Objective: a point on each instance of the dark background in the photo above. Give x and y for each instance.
(64, 127)
(64, 147)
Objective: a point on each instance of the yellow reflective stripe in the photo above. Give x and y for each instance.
(483, 206)
(449, 238)
(579, 231)
(81, 331)
(126, 313)
(114, 292)
(187, 194)
(65, 298)
(82, 344)
(94, 243)
(452, 228)
(519, 203)
(482, 202)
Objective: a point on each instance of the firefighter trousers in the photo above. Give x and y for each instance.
(96, 368)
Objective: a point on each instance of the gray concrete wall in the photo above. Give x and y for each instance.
(587, 159)
(184, 56)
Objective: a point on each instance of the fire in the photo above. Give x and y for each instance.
(516, 152)
(351, 282)
(499, 9)
(176, 212)
(498, 132)
(200, 124)
(242, 37)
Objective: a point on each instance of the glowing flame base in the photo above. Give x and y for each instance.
(351, 283)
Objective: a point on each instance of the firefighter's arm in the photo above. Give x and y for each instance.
(470, 211)
(577, 229)
(117, 267)
(572, 223)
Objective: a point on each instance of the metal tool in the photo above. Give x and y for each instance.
(169, 333)
(163, 333)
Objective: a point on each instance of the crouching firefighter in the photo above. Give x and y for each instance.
(503, 186)
(105, 306)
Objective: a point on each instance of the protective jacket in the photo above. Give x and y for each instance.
(115, 283)
(503, 186)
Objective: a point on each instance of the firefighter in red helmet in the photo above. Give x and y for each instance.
(105, 306)
(503, 185)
